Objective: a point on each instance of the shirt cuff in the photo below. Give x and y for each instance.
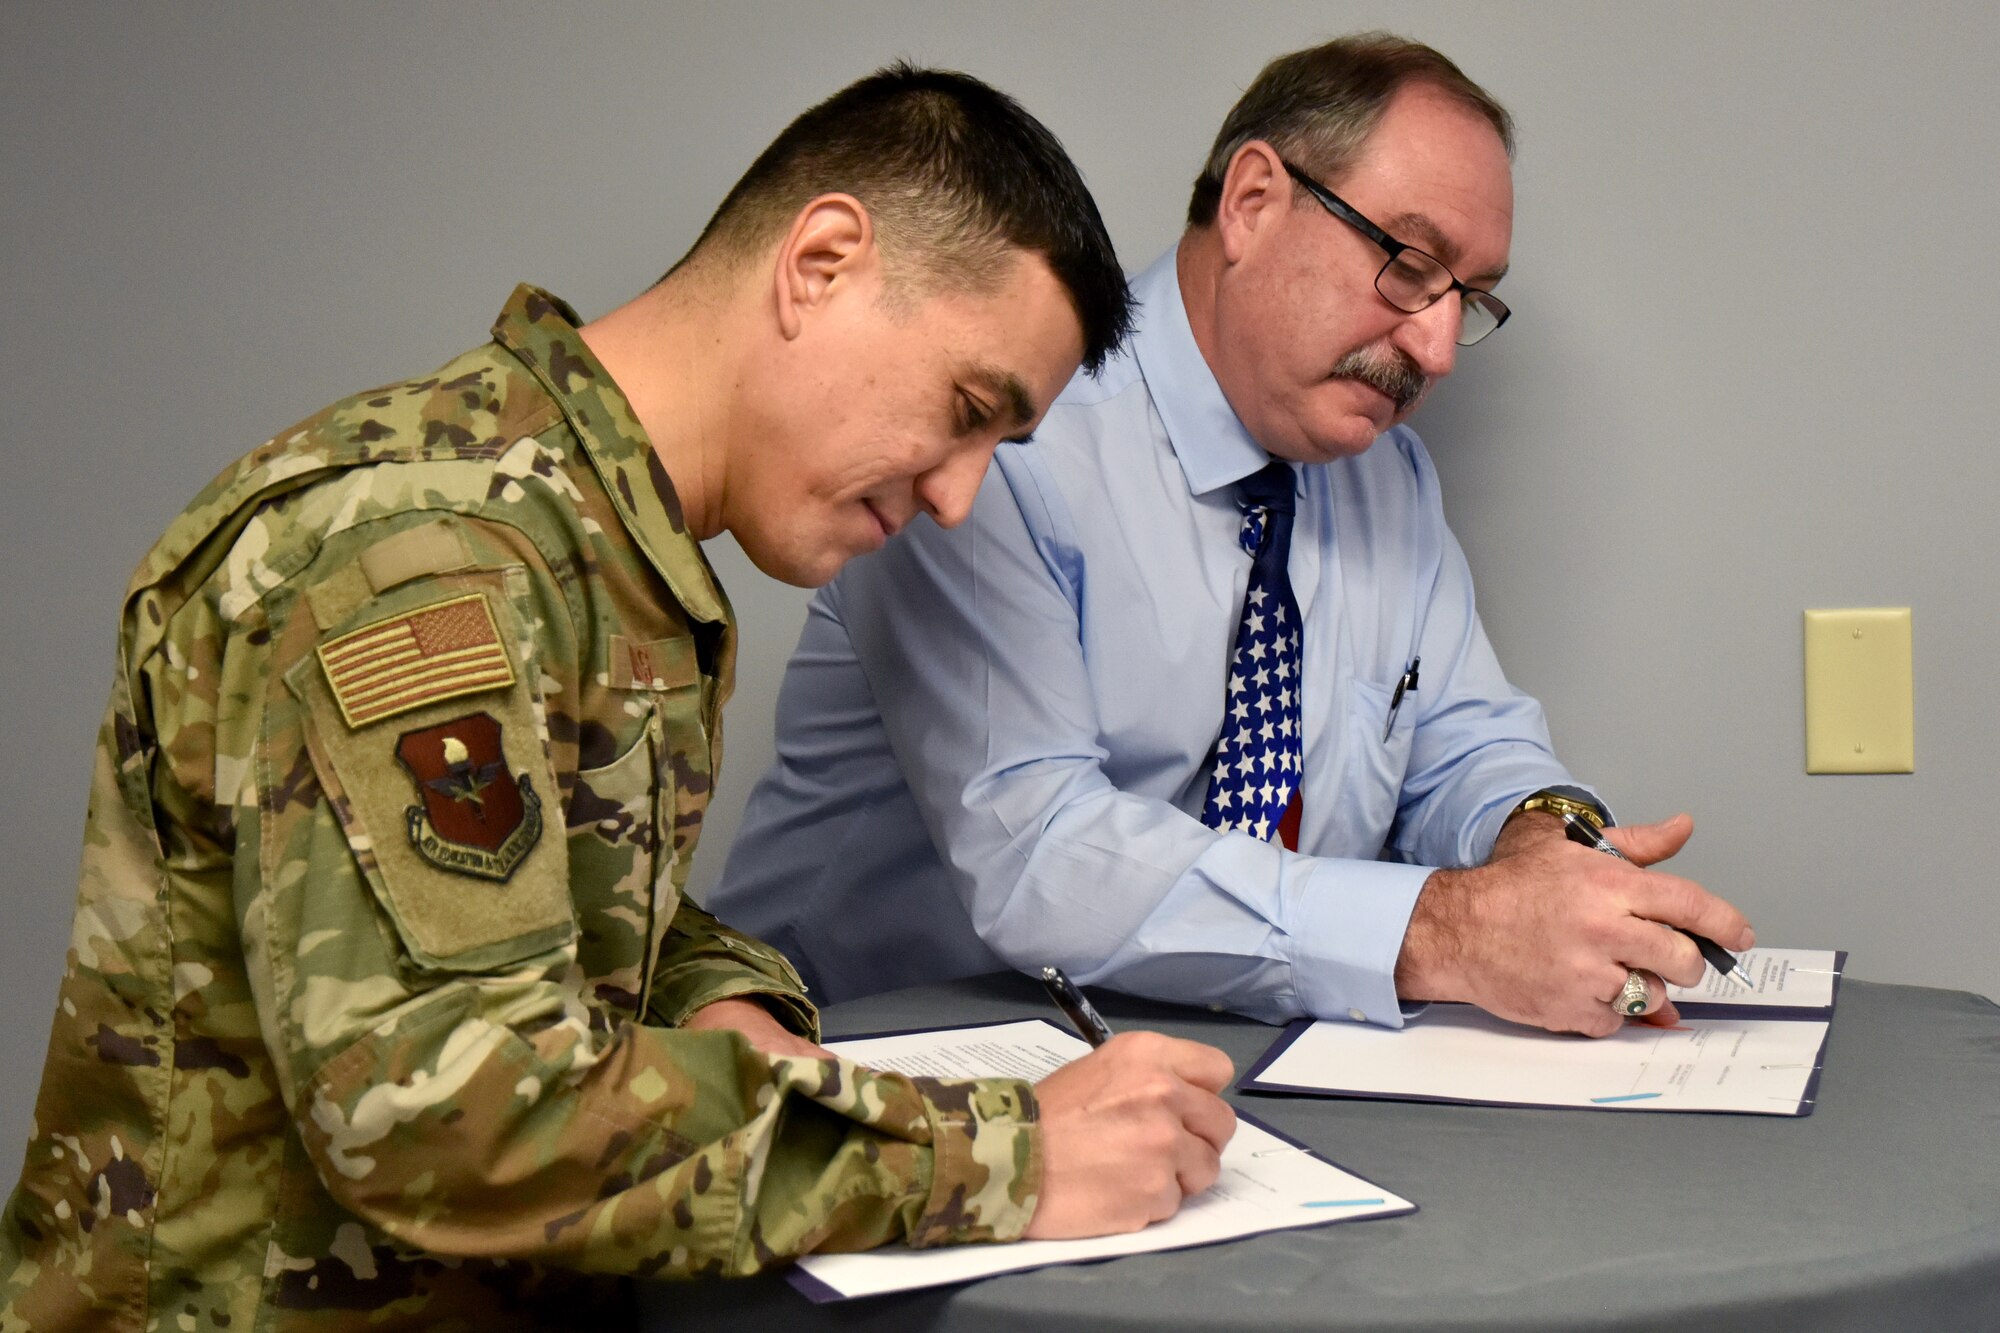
(1349, 933)
(720, 964)
(986, 1161)
(794, 1012)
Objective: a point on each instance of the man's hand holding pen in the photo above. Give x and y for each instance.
(1545, 932)
(1129, 1132)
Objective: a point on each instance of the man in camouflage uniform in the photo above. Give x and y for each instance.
(383, 1006)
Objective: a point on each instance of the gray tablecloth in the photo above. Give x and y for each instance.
(1879, 1211)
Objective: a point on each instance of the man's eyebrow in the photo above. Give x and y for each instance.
(1015, 400)
(1417, 229)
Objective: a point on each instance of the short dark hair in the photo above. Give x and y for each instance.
(954, 174)
(1318, 106)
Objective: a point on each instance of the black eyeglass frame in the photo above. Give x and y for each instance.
(1394, 249)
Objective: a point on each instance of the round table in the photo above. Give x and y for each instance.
(1880, 1210)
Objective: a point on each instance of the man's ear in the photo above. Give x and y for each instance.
(1256, 192)
(829, 249)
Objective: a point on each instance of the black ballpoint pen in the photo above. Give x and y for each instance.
(1073, 1003)
(1712, 953)
(1404, 685)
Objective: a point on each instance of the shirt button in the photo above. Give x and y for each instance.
(1357, 1015)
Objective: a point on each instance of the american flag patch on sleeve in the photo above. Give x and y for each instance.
(418, 658)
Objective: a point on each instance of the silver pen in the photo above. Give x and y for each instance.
(1074, 1003)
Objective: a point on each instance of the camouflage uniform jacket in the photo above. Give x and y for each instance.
(370, 1010)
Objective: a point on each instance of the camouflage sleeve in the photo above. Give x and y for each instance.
(419, 930)
(703, 961)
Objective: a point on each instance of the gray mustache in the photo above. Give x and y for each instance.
(1393, 373)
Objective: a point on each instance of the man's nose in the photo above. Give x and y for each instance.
(1431, 335)
(946, 491)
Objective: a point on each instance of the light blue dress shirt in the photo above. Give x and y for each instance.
(1037, 695)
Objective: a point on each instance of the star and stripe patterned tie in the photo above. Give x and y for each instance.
(1255, 773)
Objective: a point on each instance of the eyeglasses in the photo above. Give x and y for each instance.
(1412, 280)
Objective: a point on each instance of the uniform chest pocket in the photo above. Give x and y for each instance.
(621, 866)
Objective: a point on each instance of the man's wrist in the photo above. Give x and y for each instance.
(1540, 817)
(1434, 941)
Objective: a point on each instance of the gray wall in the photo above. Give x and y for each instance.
(1751, 372)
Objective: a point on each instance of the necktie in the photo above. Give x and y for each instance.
(1258, 757)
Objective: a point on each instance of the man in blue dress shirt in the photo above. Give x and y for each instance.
(1021, 742)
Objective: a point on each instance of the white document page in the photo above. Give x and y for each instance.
(1786, 979)
(1267, 1183)
(1462, 1054)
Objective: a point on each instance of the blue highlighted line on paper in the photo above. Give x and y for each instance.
(1344, 1203)
(1628, 1097)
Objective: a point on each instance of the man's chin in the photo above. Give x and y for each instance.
(812, 570)
(1348, 437)
(1357, 422)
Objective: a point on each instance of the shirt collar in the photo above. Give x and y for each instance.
(541, 330)
(1213, 447)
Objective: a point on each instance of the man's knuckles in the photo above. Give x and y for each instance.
(1204, 1171)
(1139, 1049)
(1214, 1122)
(1684, 970)
(1674, 900)
(1209, 1068)
(1155, 1057)
(1131, 1045)
(1147, 1089)
(1153, 1138)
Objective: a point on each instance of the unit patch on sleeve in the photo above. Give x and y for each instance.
(476, 817)
(417, 658)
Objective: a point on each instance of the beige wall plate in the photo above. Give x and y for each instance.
(1860, 717)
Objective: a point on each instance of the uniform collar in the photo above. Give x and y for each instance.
(1210, 441)
(541, 330)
